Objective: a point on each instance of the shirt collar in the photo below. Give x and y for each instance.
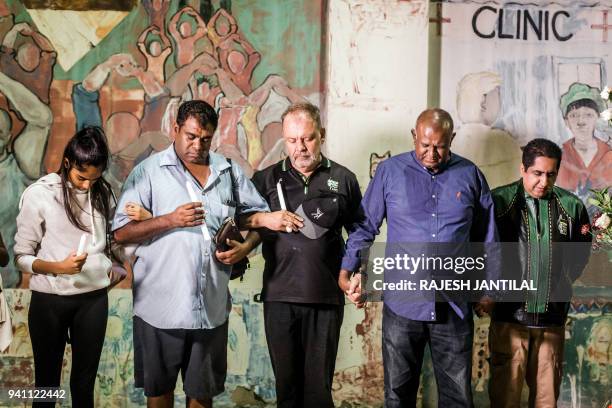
(168, 157)
(529, 197)
(451, 160)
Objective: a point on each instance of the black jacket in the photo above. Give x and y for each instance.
(552, 252)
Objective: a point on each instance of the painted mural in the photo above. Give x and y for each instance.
(127, 66)
(534, 65)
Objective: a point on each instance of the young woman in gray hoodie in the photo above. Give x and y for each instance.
(59, 214)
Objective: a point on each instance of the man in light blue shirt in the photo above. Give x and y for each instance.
(181, 298)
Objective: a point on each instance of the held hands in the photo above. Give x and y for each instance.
(283, 220)
(352, 288)
(72, 264)
(236, 253)
(187, 215)
(137, 213)
(116, 275)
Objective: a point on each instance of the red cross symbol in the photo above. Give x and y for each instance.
(604, 26)
(439, 19)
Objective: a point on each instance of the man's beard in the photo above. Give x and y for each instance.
(307, 161)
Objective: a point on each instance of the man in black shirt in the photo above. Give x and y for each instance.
(312, 198)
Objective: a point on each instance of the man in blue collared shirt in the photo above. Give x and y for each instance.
(428, 197)
(181, 298)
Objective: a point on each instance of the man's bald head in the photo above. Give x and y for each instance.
(437, 119)
(432, 138)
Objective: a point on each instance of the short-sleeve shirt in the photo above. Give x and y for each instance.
(297, 268)
(178, 283)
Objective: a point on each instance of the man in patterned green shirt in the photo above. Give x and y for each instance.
(551, 229)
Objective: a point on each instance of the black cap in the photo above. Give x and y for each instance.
(319, 214)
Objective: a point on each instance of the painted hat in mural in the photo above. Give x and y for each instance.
(319, 215)
(578, 91)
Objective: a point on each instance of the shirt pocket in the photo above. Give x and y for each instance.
(222, 201)
(458, 206)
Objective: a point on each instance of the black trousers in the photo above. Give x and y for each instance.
(51, 319)
(303, 343)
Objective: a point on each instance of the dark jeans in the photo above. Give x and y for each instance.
(51, 318)
(303, 343)
(450, 342)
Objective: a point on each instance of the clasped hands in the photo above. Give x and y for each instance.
(352, 288)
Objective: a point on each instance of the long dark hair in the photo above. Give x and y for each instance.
(87, 148)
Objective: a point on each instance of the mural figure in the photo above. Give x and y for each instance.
(239, 136)
(176, 88)
(121, 128)
(156, 51)
(220, 26)
(184, 36)
(251, 143)
(156, 10)
(238, 58)
(32, 63)
(587, 160)
(6, 19)
(184, 82)
(20, 163)
(493, 150)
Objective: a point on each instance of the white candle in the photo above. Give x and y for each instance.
(281, 199)
(82, 245)
(194, 198)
